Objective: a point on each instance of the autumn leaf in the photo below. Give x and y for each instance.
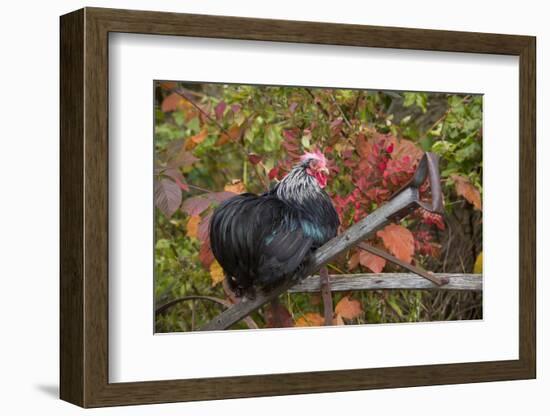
(404, 147)
(172, 102)
(310, 319)
(363, 145)
(348, 308)
(204, 228)
(277, 316)
(232, 134)
(206, 256)
(478, 265)
(371, 261)
(167, 196)
(236, 186)
(467, 190)
(398, 240)
(183, 159)
(216, 273)
(168, 85)
(254, 158)
(219, 109)
(353, 261)
(193, 226)
(273, 173)
(192, 141)
(197, 204)
(338, 320)
(176, 175)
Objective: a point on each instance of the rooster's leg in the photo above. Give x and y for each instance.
(326, 294)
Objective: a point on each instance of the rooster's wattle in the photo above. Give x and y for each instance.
(260, 240)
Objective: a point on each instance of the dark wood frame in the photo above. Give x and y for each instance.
(84, 207)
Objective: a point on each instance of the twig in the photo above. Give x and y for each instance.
(198, 188)
(326, 294)
(439, 281)
(318, 104)
(341, 111)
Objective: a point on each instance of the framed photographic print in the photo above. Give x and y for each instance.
(255, 207)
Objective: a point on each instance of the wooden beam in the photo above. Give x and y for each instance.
(383, 281)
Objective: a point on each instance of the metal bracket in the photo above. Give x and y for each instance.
(428, 168)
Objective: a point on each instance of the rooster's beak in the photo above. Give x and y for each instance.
(325, 171)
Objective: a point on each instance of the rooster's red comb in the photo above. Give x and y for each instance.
(316, 154)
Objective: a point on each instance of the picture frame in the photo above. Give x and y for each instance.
(84, 170)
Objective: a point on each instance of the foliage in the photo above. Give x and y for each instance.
(213, 141)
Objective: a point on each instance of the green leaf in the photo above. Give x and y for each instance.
(306, 138)
(194, 125)
(426, 143)
(179, 118)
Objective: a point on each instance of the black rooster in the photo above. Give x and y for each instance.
(260, 240)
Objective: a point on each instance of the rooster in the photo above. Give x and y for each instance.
(261, 240)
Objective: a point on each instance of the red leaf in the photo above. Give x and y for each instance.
(404, 148)
(254, 158)
(204, 228)
(167, 196)
(168, 85)
(219, 196)
(182, 159)
(273, 173)
(291, 147)
(371, 261)
(399, 240)
(363, 146)
(433, 218)
(171, 103)
(219, 109)
(176, 175)
(205, 254)
(198, 204)
(289, 135)
(195, 205)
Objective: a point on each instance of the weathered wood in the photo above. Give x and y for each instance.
(380, 281)
(353, 235)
